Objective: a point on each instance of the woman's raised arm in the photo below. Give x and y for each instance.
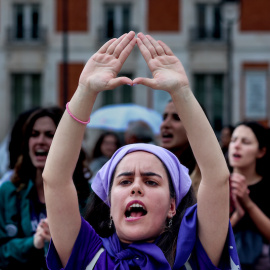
(213, 195)
(99, 74)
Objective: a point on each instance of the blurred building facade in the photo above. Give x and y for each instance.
(44, 45)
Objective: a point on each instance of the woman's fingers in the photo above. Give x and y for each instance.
(145, 81)
(113, 45)
(105, 47)
(113, 83)
(148, 45)
(159, 50)
(122, 46)
(165, 48)
(144, 51)
(123, 50)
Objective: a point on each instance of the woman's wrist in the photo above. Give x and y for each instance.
(249, 205)
(235, 218)
(183, 92)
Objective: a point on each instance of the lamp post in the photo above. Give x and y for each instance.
(229, 16)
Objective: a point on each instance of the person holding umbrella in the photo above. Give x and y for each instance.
(143, 214)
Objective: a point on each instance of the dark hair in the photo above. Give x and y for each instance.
(15, 142)
(81, 176)
(98, 215)
(230, 127)
(140, 131)
(24, 169)
(97, 149)
(260, 133)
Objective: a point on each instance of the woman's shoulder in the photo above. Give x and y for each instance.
(263, 185)
(7, 187)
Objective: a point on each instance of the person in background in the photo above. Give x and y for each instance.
(225, 139)
(15, 143)
(173, 137)
(250, 185)
(107, 143)
(24, 231)
(138, 132)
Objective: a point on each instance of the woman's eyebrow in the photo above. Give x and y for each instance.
(126, 174)
(142, 174)
(150, 174)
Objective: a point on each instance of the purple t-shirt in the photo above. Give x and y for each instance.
(88, 243)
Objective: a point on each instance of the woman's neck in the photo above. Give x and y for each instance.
(252, 177)
(39, 185)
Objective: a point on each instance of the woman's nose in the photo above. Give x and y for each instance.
(165, 122)
(237, 144)
(41, 138)
(137, 189)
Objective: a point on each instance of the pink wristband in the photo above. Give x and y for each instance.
(75, 118)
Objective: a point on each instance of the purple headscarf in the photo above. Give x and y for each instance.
(179, 173)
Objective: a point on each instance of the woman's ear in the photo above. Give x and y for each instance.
(261, 152)
(172, 210)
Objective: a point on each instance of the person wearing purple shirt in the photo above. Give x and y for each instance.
(142, 214)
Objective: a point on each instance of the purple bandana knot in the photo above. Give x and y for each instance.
(147, 256)
(125, 254)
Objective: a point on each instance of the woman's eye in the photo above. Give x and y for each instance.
(176, 117)
(151, 183)
(49, 134)
(34, 134)
(125, 182)
(165, 116)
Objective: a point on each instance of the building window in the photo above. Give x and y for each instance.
(121, 94)
(208, 89)
(117, 19)
(26, 92)
(208, 22)
(256, 94)
(26, 22)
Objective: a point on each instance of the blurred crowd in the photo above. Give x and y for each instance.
(24, 230)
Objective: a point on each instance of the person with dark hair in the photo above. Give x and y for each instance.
(174, 138)
(225, 139)
(107, 143)
(143, 214)
(24, 231)
(138, 132)
(250, 185)
(15, 143)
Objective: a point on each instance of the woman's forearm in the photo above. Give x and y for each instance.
(261, 221)
(234, 219)
(213, 193)
(201, 137)
(66, 145)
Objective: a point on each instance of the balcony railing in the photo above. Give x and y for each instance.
(199, 34)
(26, 36)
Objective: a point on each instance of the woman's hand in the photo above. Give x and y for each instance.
(100, 72)
(42, 234)
(168, 72)
(240, 191)
(238, 213)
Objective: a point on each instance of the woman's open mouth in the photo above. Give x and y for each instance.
(41, 154)
(166, 137)
(135, 210)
